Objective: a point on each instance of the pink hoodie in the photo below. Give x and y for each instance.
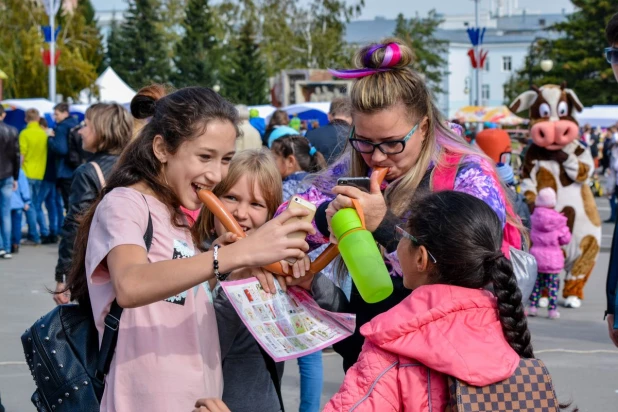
(438, 331)
(549, 232)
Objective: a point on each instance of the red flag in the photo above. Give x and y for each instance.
(472, 58)
(47, 57)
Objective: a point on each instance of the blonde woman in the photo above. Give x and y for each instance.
(396, 125)
(108, 129)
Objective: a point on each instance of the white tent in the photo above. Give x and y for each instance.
(598, 116)
(111, 89)
(42, 105)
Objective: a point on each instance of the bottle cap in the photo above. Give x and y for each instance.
(345, 220)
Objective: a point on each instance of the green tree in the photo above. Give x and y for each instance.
(295, 35)
(420, 34)
(20, 53)
(144, 58)
(114, 45)
(245, 80)
(172, 17)
(576, 48)
(196, 56)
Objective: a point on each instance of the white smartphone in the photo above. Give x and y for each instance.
(297, 202)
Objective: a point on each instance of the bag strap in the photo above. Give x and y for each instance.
(112, 320)
(444, 173)
(274, 376)
(100, 175)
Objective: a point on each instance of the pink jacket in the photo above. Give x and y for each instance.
(437, 331)
(549, 232)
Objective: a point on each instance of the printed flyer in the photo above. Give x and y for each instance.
(287, 325)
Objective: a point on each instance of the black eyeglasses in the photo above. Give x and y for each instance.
(401, 233)
(388, 147)
(611, 55)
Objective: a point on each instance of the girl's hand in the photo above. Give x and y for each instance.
(266, 279)
(226, 239)
(270, 243)
(304, 282)
(61, 298)
(210, 405)
(299, 268)
(373, 204)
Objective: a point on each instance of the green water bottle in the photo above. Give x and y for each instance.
(362, 256)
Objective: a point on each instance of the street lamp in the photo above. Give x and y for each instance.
(546, 64)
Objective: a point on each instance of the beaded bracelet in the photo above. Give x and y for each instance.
(215, 264)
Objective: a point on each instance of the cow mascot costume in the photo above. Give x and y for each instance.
(558, 160)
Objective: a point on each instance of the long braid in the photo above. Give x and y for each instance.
(510, 307)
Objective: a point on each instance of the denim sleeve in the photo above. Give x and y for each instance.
(59, 144)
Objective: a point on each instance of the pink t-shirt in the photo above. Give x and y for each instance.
(168, 352)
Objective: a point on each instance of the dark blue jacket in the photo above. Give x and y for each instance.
(59, 145)
(612, 279)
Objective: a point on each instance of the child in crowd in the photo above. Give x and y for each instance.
(168, 352)
(296, 158)
(549, 233)
(20, 202)
(505, 172)
(449, 250)
(251, 193)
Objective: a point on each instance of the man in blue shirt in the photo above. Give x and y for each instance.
(59, 146)
(611, 53)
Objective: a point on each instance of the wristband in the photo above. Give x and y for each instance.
(215, 264)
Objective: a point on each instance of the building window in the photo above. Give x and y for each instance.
(485, 92)
(507, 63)
(487, 64)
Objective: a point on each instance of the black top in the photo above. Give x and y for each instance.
(330, 140)
(9, 152)
(84, 190)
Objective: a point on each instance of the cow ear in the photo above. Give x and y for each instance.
(524, 101)
(574, 100)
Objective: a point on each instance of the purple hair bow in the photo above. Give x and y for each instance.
(392, 56)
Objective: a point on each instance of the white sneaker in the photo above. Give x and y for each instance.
(6, 256)
(543, 302)
(2, 252)
(572, 302)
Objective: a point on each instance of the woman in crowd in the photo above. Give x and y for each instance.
(396, 125)
(107, 131)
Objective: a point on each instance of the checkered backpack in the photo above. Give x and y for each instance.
(530, 389)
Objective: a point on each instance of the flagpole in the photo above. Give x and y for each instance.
(52, 50)
(477, 86)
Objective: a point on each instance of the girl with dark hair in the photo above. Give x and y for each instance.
(168, 352)
(449, 250)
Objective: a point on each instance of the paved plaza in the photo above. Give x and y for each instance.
(576, 348)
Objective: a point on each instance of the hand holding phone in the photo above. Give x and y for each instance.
(297, 202)
(361, 183)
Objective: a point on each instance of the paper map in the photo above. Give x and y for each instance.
(286, 325)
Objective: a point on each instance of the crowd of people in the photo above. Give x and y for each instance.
(121, 190)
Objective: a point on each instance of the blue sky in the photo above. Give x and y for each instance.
(390, 8)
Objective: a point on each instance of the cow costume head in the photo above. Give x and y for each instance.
(552, 115)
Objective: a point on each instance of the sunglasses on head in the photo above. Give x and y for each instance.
(611, 55)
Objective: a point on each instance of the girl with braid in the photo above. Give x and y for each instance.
(450, 325)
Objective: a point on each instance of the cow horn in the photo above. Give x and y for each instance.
(535, 88)
(563, 85)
